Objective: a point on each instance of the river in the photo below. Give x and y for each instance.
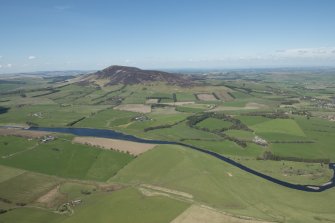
(117, 135)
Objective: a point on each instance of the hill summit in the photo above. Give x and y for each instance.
(132, 75)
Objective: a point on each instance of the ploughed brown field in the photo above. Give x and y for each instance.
(206, 97)
(22, 133)
(134, 108)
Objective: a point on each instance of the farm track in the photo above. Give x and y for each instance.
(19, 152)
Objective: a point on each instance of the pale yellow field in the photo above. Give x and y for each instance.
(204, 214)
(22, 133)
(134, 108)
(206, 97)
(248, 106)
(133, 148)
(152, 101)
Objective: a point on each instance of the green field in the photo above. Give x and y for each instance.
(11, 145)
(107, 119)
(207, 179)
(214, 124)
(294, 172)
(181, 131)
(26, 187)
(108, 207)
(45, 115)
(228, 147)
(8, 173)
(290, 110)
(284, 126)
(64, 159)
(252, 120)
(116, 206)
(240, 134)
(189, 109)
(185, 97)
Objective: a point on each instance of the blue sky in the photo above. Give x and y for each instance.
(67, 34)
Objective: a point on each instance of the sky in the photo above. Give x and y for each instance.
(45, 35)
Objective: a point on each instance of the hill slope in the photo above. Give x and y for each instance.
(224, 187)
(131, 75)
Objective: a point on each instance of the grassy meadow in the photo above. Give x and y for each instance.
(40, 181)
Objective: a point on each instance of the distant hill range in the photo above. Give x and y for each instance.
(131, 75)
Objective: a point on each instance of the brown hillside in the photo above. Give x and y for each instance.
(132, 75)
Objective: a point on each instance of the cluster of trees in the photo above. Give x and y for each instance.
(272, 115)
(290, 102)
(192, 121)
(2, 211)
(161, 126)
(302, 113)
(3, 110)
(75, 121)
(22, 94)
(52, 91)
(195, 119)
(85, 192)
(240, 89)
(174, 97)
(5, 200)
(114, 100)
(160, 98)
(31, 124)
(216, 96)
(160, 105)
(239, 142)
(268, 155)
(294, 141)
(231, 95)
(110, 92)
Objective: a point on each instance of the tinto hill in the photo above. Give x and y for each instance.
(131, 75)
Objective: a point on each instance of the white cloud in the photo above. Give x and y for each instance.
(321, 52)
(62, 7)
(31, 57)
(0, 66)
(9, 65)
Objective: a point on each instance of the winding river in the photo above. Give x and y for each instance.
(117, 135)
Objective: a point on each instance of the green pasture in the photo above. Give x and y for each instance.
(65, 159)
(47, 115)
(220, 185)
(26, 187)
(228, 147)
(214, 124)
(293, 172)
(185, 96)
(240, 134)
(126, 206)
(107, 118)
(284, 126)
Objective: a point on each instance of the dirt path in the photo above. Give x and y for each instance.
(19, 152)
(167, 190)
(50, 196)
